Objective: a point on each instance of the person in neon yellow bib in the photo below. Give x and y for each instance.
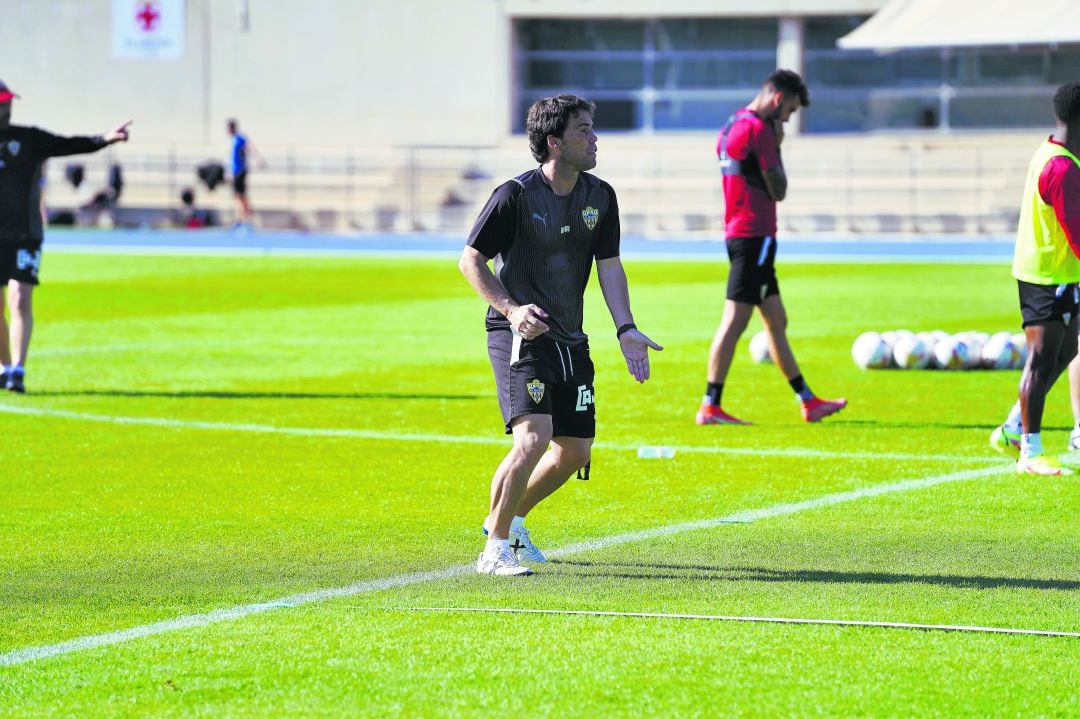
(1046, 265)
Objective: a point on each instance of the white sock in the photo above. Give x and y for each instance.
(1031, 445)
(516, 523)
(8, 368)
(494, 546)
(1014, 423)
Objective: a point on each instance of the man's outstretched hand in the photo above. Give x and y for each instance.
(635, 348)
(118, 133)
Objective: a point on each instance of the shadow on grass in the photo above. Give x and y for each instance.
(221, 394)
(649, 570)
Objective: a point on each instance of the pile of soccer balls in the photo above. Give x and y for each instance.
(903, 349)
(939, 350)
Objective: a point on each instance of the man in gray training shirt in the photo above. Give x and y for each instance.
(543, 229)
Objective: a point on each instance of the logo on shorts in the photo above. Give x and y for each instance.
(590, 214)
(13, 147)
(536, 390)
(584, 398)
(27, 260)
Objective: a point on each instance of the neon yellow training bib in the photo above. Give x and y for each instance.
(1043, 255)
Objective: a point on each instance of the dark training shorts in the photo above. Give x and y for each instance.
(239, 183)
(752, 277)
(1042, 304)
(20, 262)
(542, 376)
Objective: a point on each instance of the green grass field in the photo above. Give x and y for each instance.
(208, 433)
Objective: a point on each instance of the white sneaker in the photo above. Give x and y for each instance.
(1074, 438)
(503, 564)
(1042, 465)
(523, 547)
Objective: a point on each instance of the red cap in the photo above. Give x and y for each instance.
(6, 95)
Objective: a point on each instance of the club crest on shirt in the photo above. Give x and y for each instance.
(536, 390)
(13, 147)
(590, 214)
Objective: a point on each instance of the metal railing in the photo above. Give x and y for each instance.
(911, 183)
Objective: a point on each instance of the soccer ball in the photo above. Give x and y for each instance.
(759, 348)
(999, 352)
(929, 340)
(951, 353)
(870, 351)
(1020, 340)
(890, 338)
(974, 341)
(910, 352)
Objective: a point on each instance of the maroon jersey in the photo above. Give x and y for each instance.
(747, 148)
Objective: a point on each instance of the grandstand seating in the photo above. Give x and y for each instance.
(668, 185)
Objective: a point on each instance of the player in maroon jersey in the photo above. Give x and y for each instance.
(754, 181)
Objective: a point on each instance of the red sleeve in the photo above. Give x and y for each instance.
(1059, 187)
(738, 141)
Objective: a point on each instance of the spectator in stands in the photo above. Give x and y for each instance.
(22, 150)
(754, 181)
(191, 216)
(1046, 265)
(544, 229)
(242, 152)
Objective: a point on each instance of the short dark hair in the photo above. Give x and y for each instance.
(551, 116)
(790, 83)
(1067, 102)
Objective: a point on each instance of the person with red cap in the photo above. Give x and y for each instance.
(22, 151)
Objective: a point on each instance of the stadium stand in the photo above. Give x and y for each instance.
(668, 185)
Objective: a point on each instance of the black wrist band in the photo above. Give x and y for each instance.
(623, 329)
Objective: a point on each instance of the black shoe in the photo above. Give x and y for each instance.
(14, 383)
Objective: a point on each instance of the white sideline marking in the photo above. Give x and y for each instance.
(29, 654)
(766, 620)
(456, 439)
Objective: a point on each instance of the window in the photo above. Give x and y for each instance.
(664, 74)
(691, 73)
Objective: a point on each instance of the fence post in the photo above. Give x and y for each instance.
(412, 184)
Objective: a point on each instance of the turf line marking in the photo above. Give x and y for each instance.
(456, 439)
(762, 620)
(193, 621)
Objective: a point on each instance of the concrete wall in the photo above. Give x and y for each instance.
(333, 72)
(316, 72)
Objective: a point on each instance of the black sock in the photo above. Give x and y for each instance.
(713, 392)
(799, 387)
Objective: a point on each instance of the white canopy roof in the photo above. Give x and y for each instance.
(921, 24)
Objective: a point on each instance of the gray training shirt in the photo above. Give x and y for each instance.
(543, 246)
